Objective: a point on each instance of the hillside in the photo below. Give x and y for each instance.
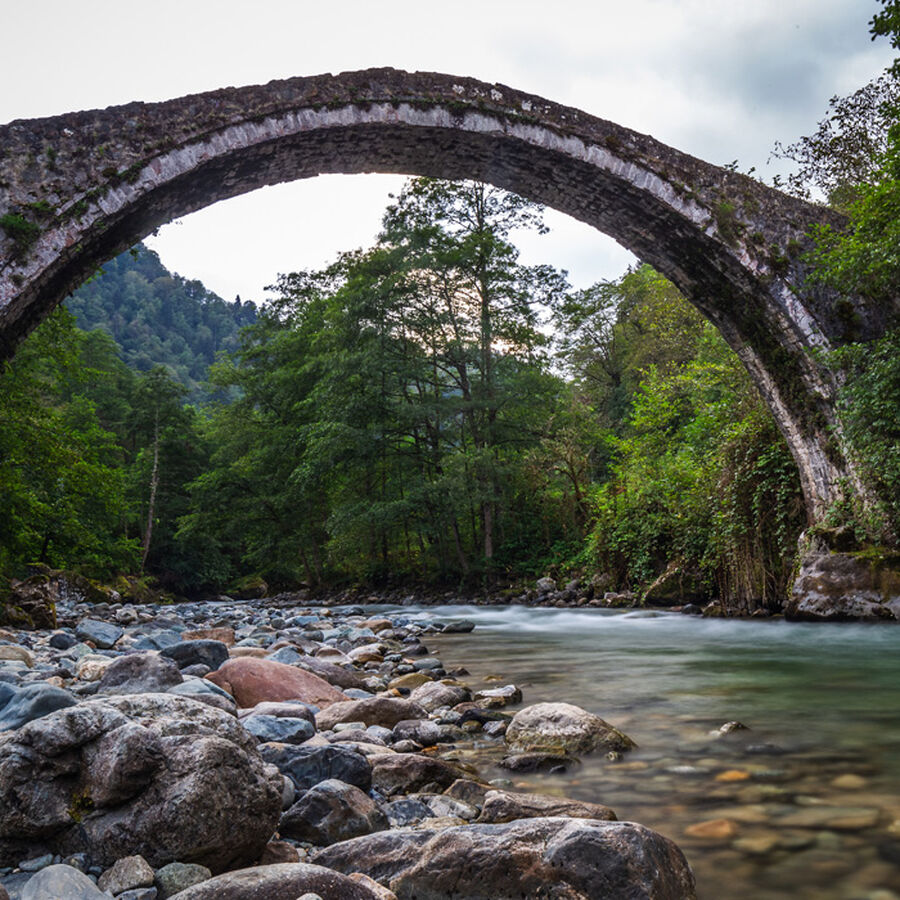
(159, 318)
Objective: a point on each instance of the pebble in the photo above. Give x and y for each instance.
(713, 830)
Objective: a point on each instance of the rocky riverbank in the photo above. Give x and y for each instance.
(279, 749)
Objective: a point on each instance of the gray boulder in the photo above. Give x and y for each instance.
(309, 766)
(384, 711)
(562, 728)
(57, 882)
(332, 811)
(282, 881)
(193, 653)
(433, 694)
(281, 729)
(835, 587)
(345, 679)
(126, 874)
(136, 774)
(101, 634)
(405, 773)
(507, 806)
(139, 673)
(33, 701)
(176, 877)
(575, 859)
(423, 731)
(206, 692)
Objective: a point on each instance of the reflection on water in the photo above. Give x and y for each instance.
(806, 802)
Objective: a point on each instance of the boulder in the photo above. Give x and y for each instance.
(407, 811)
(345, 679)
(193, 653)
(101, 634)
(423, 731)
(205, 692)
(220, 633)
(835, 587)
(285, 881)
(62, 640)
(282, 729)
(279, 852)
(576, 859)
(251, 681)
(32, 603)
(384, 711)
(33, 701)
(507, 806)
(289, 709)
(309, 766)
(496, 698)
(331, 811)
(151, 774)
(562, 728)
(433, 694)
(139, 673)
(126, 874)
(539, 761)
(176, 877)
(58, 882)
(405, 773)
(15, 653)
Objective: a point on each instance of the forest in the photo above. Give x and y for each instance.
(430, 409)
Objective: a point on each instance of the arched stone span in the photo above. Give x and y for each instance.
(81, 187)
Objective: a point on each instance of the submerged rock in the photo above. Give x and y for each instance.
(507, 806)
(577, 859)
(562, 727)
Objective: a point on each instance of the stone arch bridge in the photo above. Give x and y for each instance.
(79, 188)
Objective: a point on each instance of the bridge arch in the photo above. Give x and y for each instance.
(81, 187)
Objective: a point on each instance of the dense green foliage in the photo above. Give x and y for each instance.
(864, 260)
(698, 477)
(391, 405)
(160, 319)
(76, 428)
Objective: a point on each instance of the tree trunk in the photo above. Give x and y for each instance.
(154, 484)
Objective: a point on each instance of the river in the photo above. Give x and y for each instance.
(805, 803)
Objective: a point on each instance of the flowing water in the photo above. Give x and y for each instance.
(803, 804)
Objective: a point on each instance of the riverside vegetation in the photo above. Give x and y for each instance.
(404, 415)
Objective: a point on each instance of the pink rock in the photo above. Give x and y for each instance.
(251, 681)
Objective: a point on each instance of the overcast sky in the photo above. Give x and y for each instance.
(720, 79)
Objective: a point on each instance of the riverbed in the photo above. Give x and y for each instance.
(804, 802)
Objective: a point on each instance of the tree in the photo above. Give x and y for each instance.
(61, 484)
